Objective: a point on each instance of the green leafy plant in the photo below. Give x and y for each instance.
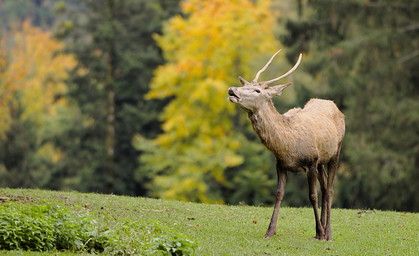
(172, 246)
(149, 237)
(48, 227)
(133, 225)
(168, 242)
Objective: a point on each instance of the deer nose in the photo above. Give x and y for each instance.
(230, 91)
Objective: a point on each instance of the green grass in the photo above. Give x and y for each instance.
(239, 230)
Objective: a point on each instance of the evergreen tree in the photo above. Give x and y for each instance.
(363, 55)
(113, 43)
(39, 12)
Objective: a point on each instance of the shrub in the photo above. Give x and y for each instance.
(148, 237)
(172, 246)
(49, 227)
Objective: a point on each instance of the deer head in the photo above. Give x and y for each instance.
(253, 95)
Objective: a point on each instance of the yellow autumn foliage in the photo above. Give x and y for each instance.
(35, 72)
(6, 92)
(206, 48)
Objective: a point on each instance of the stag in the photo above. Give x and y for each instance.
(302, 140)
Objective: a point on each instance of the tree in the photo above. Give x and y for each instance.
(32, 84)
(364, 56)
(206, 49)
(112, 41)
(6, 92)
(39, 12)
(38, 70)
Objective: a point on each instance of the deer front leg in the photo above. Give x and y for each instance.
(279, 195)
(312, 182)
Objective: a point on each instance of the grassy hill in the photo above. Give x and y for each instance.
(236, 230)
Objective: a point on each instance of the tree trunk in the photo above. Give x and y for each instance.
(110, 111)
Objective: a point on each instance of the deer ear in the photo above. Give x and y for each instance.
(277, 90)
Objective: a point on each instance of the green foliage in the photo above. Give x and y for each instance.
(254, 181)
(117, 55)
(34, 111)
(60, 151)
(41, 12)
(48, 227)
(206, 49)
(361, 54)
(34, 74)
(364, 56)
(51, 227)
(176, 246)
(146, 237)
(234, 230)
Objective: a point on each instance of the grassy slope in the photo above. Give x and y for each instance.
(238, 230)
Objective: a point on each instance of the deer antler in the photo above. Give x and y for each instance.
(278, 78)
(265, 67)
(242, 81)
(286, 74)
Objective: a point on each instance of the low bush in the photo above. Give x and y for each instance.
(47, 227)
(171, 246)
(149, 238)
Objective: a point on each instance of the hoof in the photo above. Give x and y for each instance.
(328, 237)
(320, 238)
(268, 235)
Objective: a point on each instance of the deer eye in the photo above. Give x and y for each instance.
(257, 90)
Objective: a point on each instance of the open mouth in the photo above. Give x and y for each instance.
(233, 97)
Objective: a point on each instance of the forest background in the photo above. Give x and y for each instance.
(129, 96)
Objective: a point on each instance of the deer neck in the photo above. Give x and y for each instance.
(270, 126)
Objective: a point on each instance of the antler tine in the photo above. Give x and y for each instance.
(286, 74)
(265, 67)
(242, 81)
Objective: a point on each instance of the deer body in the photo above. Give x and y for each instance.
(300, 136)
(302, 140)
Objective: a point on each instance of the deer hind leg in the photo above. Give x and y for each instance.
(322, 177)
(332, 167)
(312, 183)
(279, 195)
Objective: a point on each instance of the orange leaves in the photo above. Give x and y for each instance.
(37, 70)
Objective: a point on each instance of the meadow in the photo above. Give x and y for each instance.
(237, 229)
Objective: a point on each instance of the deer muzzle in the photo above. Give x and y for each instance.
(233, 96)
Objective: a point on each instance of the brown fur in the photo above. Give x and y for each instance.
(301, 135)
(302, 140)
